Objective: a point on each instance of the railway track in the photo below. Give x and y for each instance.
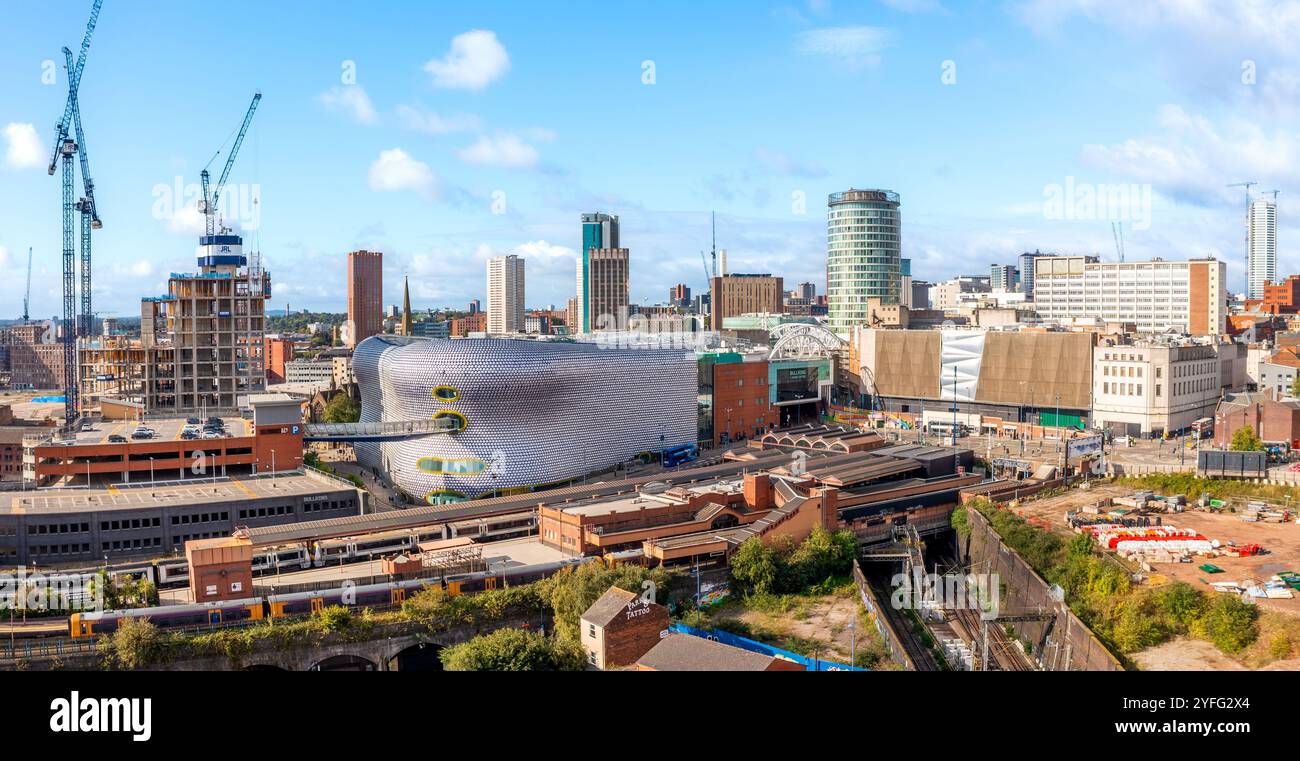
(921, 655)
(1005, 654)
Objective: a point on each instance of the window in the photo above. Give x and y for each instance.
(591, 630)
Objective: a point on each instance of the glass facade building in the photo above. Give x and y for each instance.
(528, 413)
(863, 255)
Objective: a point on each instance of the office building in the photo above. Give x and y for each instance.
(734, 295)
(278, 351)
(1261, 246)
(863, 254)
(1157, 296)
(1004, 277)
(1026, 270)
(33, 356)
(679, 296)
(947, 295)
(1149, 388)
(598, 280)
(365, 287)
(603, 289)
(505, 290)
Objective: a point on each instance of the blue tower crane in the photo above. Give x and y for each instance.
(208, 206)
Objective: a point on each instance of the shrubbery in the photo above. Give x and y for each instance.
(1099, 590)
(780, 566)
(514, 650)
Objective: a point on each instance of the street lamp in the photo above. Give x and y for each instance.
(151, 481)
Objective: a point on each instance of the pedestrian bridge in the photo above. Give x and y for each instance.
(398, 430)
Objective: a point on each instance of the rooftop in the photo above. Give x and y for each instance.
(175, 493)
(685, 652)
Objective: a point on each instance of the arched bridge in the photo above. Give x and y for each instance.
(398, 430)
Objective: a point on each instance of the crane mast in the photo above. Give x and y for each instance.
(208, 205)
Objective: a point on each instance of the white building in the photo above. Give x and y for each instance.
(1261, 247)
(310, 372)
(1157, 296)
(947, 295)
(1148, 389)
(505, 289)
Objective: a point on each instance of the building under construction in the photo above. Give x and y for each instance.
(201, 344)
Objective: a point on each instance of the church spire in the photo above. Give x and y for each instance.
(406, 306)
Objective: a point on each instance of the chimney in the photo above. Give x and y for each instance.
(758, 491)
(722, 263)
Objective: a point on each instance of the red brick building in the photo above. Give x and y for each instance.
(1283, 297)
(365, 286)
(621, 627)
(1273, 420)
(470, 323)
(741, 402)
(277, 351)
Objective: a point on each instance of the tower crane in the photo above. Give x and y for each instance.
(64, 148)
(208, 205)
(1246, 238)
(89, 217)
(27, 295)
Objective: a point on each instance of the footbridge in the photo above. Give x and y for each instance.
(395, 430)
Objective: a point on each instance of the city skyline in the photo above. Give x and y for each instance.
(453, 115)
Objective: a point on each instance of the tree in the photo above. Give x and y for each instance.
(1246, 440)
(756, 566)
(1295, 385)
(341, 409)
(823, 555)
(135, 645)
(514, 650)
(1231, 624)
(570, 593)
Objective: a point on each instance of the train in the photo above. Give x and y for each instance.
(298, 604)
(174, 572)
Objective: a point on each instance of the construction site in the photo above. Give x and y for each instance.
(200, 347)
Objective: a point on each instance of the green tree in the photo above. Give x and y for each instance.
(1231, 624)
(1246, 440)
(137, 643)
(514, 650)
(571, 593)
(335, 618)
(342, 409)
(756, 566)
(1295, 385)
(824, 554)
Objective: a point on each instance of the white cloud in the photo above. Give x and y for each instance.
(187, 220)
(350, 98)
(475, 60)
(24, 149)
(852, 45)
(1193, 159)
(1206, 45)
(504, 150)
(395, 169)
(4, 258)
(432, 123)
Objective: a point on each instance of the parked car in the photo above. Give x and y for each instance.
(116, 439)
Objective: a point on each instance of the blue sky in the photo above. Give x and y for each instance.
(458, 107)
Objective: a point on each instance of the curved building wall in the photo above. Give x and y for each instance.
(534, 412)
